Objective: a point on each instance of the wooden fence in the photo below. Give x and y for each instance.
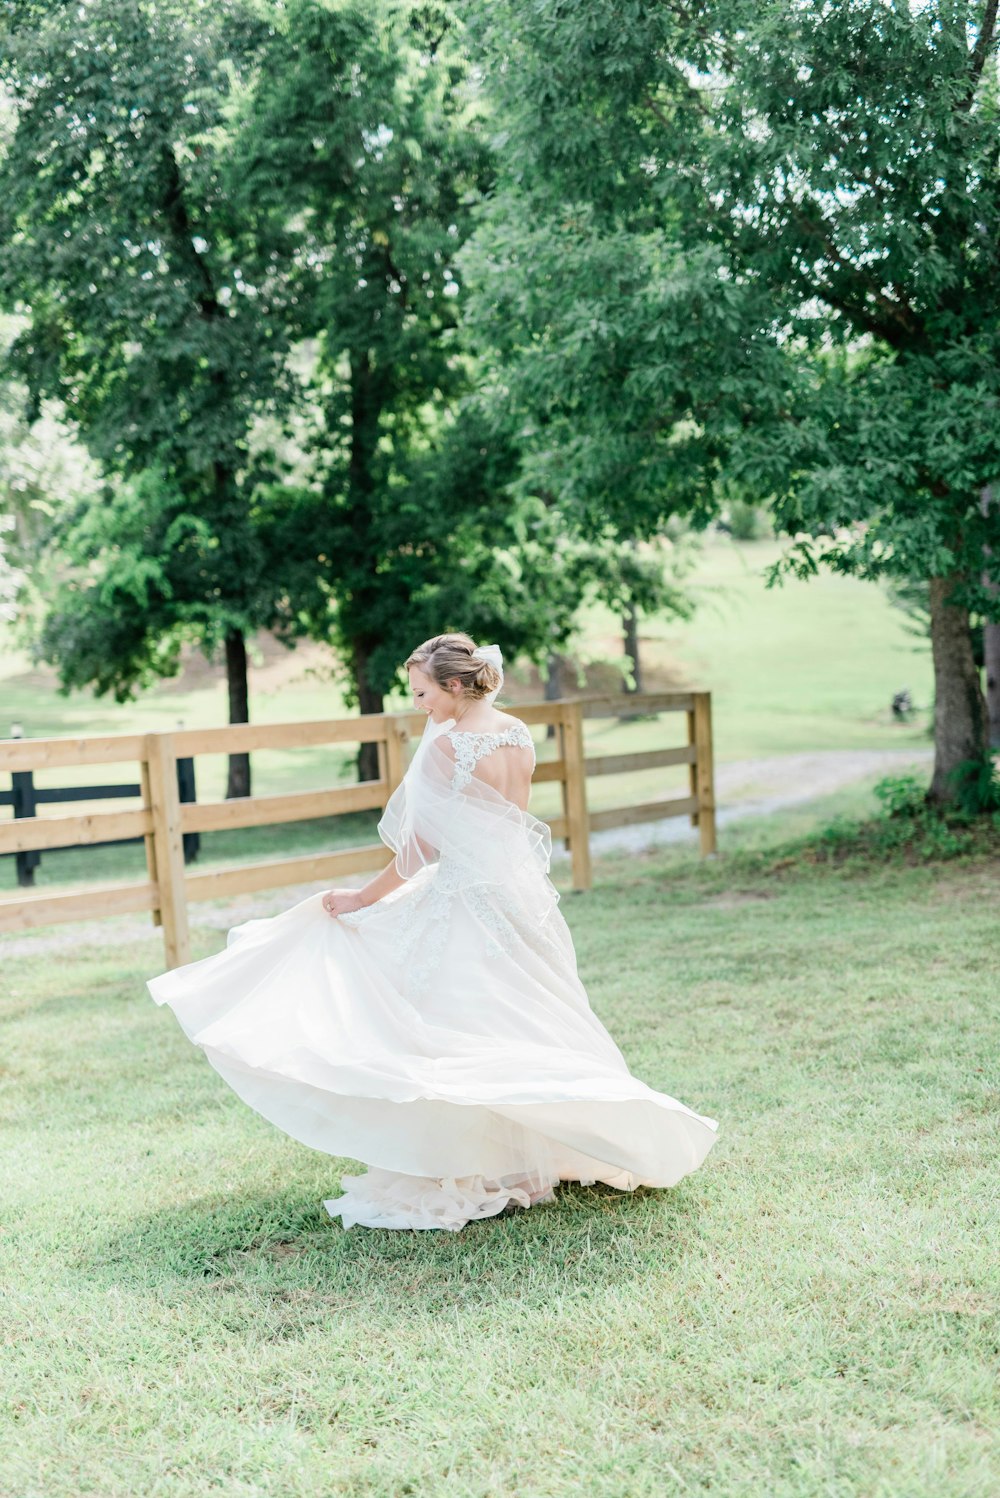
(162, 821)
(25, 797)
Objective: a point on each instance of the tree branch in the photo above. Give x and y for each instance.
(981, 51)
(899, 314)
(705, 34)
(175, 209)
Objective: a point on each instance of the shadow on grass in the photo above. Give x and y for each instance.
(588, 1239)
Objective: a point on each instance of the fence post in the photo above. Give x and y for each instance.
(149, 839)
(22, 784)
(392, 753)
(168, 846)
(703, 767)
(558, 723)
(693, 766)
(23, 804)
(577, 816)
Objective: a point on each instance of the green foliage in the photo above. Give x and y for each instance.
(757, 246)
(363, 150)
(134, 583)
(607, 340)
(744, 521)
(118, 250)
(11, 576)
(901, 795)
(778, 253)
(912, 829)
(977, 786)
(233, 234)
(358, 150)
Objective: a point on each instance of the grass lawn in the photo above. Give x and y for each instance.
(808, 665)
(813, 1313)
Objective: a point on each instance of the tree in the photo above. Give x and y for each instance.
(117, 243)
(455, 551)
(781, 222)
(361, 154)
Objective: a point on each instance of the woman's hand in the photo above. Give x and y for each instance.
(342, 901)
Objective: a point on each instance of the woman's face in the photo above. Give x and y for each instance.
(439, 703)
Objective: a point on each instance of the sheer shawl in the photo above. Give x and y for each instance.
(443, 815)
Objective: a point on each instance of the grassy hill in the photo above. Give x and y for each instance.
(805, 666)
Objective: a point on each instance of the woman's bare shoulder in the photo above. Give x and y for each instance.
(493, 723)
(508, 720)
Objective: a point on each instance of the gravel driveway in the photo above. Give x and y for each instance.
(758, 787)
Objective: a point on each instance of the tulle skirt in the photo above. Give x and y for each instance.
(443, 1038)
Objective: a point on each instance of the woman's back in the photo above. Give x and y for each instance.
(502, 755)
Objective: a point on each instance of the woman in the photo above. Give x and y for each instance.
(432, 1023)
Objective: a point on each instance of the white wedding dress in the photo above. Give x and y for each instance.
(440, 1035)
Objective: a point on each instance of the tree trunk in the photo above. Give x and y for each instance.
(991, 647)
(630, 628)
(959, 705)
(239, 710)
(553, 686)
(630, 632)
(199, 277)
(991, 660)
(369, 701)
(367, 387)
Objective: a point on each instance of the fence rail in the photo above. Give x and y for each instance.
(164, 821)
(80, 830)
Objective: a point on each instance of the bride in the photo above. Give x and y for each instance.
(432, 1023)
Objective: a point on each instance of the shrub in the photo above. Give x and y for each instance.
(746, 522)
(901, 795)
(909, 829)
(977, 786)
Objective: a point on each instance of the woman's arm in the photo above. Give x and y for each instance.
(342, 901)
(413, 851)
(383, 884)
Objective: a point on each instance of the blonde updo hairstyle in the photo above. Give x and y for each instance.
(446, 657)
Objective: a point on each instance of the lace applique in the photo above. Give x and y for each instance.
(511, 921)
(427, 925)
(423, 931)
(425, 921)
(470, 747)
(501, 935)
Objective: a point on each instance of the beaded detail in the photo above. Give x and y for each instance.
(470, 747)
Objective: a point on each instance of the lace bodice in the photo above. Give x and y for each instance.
(470, 747)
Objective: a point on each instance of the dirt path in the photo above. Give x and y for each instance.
(745, 788)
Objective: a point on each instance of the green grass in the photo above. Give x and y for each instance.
(813, 1313)
(808, 665)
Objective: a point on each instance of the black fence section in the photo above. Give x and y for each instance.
(25, 796)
